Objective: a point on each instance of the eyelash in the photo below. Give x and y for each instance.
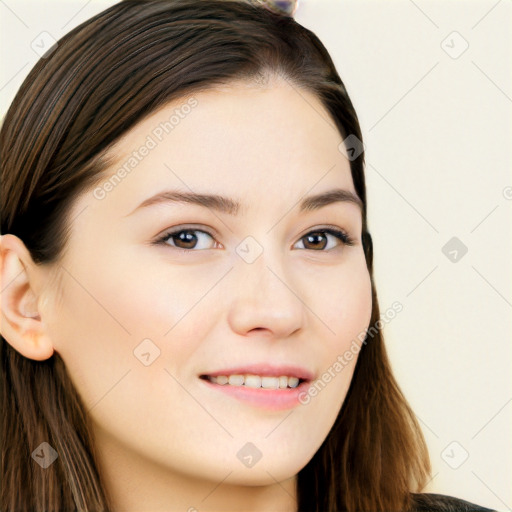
(343, 236)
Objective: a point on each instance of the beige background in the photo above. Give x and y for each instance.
(436, 120)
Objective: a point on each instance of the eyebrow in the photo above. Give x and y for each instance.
(232, 207)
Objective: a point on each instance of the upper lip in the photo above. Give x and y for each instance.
(265, 370)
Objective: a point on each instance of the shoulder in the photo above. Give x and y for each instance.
(427, 502)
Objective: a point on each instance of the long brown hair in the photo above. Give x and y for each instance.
(101, 79)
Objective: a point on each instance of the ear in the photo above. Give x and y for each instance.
(20, 320)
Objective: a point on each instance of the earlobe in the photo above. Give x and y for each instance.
(20, 321)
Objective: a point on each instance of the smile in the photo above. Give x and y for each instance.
(256, 381)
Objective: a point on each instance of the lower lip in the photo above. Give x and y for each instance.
(269, 399)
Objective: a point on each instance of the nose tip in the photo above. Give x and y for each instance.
(265, 304)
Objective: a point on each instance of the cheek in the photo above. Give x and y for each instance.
(110, 316)
(91, 335)
(345, 305)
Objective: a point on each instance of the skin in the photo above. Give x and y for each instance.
(166, 441)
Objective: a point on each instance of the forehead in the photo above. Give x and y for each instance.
(274, 114)
(244, 140)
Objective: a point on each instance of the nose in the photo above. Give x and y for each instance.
(265, 299)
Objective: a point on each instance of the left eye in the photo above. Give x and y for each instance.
(314, 237)
(189, 240)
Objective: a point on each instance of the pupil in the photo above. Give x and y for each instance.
(311, 239)
(187, 237)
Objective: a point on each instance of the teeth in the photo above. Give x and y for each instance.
(270, 382)
(293, 382)
(251, 381)
(236, 380)
(255, 381)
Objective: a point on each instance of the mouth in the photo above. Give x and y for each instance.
(255, 381)
(263, 386)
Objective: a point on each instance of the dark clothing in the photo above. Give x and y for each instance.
(426, 502)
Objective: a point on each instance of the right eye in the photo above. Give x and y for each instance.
(185, 239)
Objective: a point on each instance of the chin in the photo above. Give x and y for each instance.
(266, 471)
(263, 477)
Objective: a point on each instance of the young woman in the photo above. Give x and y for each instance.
(189, 317)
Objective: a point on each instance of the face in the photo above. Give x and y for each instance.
(265, 289)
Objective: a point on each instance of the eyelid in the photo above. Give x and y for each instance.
(346, 238)
(342, 234)
(188, 227)
(162, 239)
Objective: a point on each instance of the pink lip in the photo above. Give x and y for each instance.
(269, 399)
(266, 370)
